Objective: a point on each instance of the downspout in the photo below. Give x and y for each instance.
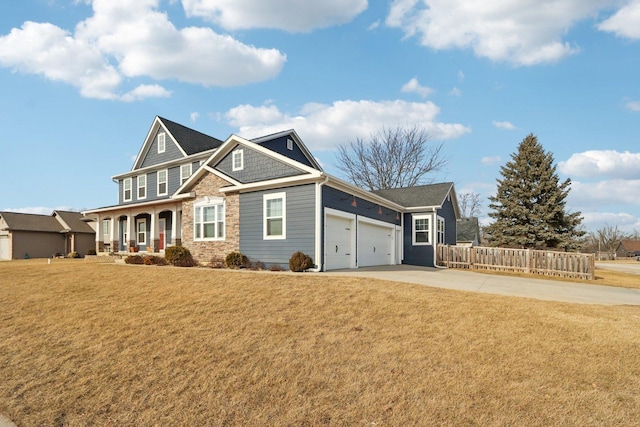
(319, 263)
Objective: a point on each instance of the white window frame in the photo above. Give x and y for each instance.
(142, 186)
(165, 182)
(219, 221)
(235, 156)
(124, 190)
(106, 230)
(265, 219)
(185, 173)
(414, 219)
(162, 142)
(141, 222)
(289, 144)
(440, 229)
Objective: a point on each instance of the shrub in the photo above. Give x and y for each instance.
(153, 260)
(216, 262)
(91, 252)
(255, 265)
(276, 267)
(134, 259)
(73, 255)
(300, 262)
(236, 260)
(179, 256)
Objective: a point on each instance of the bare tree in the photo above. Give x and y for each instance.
(390, 158)
(469, 204)
(607, 239)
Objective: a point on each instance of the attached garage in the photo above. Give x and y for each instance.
(375, 243)
(339, 240)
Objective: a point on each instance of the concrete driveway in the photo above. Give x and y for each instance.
(625, 267)
(462, 280)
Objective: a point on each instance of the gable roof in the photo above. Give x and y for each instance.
(72, 221)
(31, 222)
(430, 195)
(191, 141)
(291, 133)
(468, 230)
(630, 245)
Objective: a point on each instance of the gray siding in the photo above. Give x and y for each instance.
(300, 226)
(152, 157)
(336, 199)
(279, 145)
(257, 167)
(173, 183)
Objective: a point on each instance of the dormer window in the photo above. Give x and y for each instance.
(290, 144)
(238, 160)
(161, 142)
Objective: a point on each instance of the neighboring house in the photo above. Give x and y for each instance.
(628, 248)
(268, 198)
(42, 236)
(468, 232)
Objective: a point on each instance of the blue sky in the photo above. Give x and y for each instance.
(81, 82)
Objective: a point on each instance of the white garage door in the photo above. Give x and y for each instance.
(338, 242)
(4, 247)
(375, 244)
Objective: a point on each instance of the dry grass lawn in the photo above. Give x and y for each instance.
(105, 344)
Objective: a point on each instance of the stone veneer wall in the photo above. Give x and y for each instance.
(202, 252)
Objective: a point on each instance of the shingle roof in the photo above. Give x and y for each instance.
(418, 196)
(631, 245)
(74, 221)
(31, 222)
(190, 140)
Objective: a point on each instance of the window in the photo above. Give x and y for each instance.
(161, 142)
(106, 234)
(290, 144)
(440, 229)
(142, 187)
(142, 231)
(208, 220)
(162, 183)
(421, 230)
(238, 160)
(185, 173)
(275, 218)
(126, 190)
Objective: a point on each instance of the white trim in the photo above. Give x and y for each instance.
(283, 216)
(218, 203)
(289, 144)
(166, 182)
(352, 234)
(429, 230)
(444, 229)
(165, 165)
(139, 187)
(239, 154)
(141, 221)
(124, 190)
(183, 178)
(271, 184)
(162, 142)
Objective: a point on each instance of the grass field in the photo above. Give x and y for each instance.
(106, 344)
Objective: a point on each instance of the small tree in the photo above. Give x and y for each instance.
(469, 204)
(529, 207)
(390, 158)
(607, 239)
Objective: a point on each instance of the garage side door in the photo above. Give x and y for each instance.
(375, 245)
(338, 242)
(4, 247)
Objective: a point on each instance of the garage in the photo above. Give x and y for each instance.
(339, 240)
(4, 247)
(375, 243)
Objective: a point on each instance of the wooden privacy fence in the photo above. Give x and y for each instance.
(547, 263)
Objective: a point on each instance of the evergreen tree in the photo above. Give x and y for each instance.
(529, 206)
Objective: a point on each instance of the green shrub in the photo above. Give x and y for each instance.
(91, 252)
(134, 259)
(179, 256)
(236, 260)
(300, 262)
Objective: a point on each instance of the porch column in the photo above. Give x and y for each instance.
(131, 233)
(175, 239)
(99, 241)
(113, 238)
(154, 240)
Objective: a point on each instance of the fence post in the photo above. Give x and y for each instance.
(527, 262)
(472, 258)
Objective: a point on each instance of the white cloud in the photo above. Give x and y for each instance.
(455, 92)
(374, 26)
(490, 161)
(133, 39)
(323, 127)
(610, 163)
(504, 125)
(625, 22)
(624, 221)
(514, 31)
(40, 210)
(194, 116)
(413, 86)
(292, 16)
(607, 192)
(633, 105)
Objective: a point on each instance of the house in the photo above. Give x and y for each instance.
(267, 198)
(468, 232)
(42, 236)
(628, 248)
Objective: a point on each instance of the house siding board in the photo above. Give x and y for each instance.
(416, 255)
(257, 167)
(341, 201)
(279, 145)
(173, 183)
(33, 244)
(152, 157)
(300, 223)
(450, 222)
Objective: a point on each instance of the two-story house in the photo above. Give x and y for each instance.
(267, 198)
